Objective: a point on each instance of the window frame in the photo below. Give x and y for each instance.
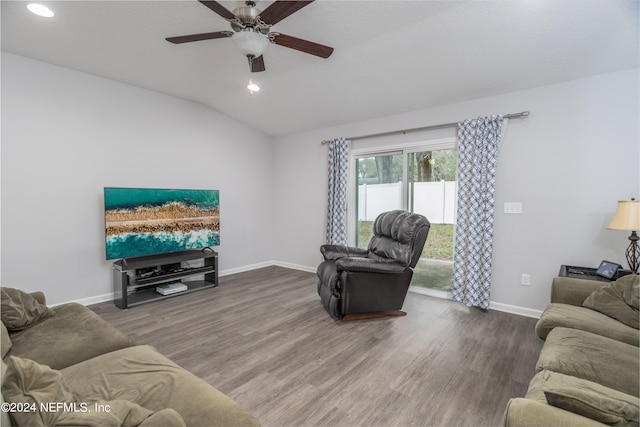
(387, 150)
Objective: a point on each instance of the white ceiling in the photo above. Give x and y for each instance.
(390, 56)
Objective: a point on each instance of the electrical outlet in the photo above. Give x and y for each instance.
(526, 280)
(513, 207)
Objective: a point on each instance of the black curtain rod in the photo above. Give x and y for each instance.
(444, 125)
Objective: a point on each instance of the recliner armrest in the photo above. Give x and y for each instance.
(368, 265)
(333, 252)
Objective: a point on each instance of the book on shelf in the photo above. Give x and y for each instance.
(171, 288)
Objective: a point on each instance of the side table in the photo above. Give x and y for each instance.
(588, 273)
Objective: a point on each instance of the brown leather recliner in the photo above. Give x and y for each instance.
(370, 282)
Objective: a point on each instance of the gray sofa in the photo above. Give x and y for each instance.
(69, 367)
(588, 370)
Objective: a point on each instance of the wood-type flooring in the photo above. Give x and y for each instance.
(263, 338)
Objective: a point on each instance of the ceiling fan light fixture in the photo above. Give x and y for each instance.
(253, 87)
(250, 43)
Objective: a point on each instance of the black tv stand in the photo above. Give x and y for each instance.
(135, 279)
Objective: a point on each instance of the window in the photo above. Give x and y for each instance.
(379, 190)
(419, 178)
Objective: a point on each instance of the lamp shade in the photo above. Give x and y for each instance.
(250, 43)
(627, 216)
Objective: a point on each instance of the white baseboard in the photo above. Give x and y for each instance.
(295, 266)
(522, 311)
(88, 301)
(245, 268)
(514, 309)
(268, 264)
(507, 308)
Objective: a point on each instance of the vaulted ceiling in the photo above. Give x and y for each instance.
(390, 56)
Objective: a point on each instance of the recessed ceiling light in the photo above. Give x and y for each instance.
(40, 10)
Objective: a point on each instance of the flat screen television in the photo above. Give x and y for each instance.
(147, 221)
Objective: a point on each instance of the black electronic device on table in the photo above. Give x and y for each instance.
(608, 269)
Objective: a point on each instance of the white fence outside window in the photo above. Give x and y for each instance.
(435, 200)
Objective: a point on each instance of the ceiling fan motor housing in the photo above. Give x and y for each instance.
(247, 18)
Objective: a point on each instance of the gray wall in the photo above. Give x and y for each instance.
(568, 163)
(66, 135)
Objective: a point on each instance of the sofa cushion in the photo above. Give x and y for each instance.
(19, 310)
(592, 357)
(584, 397)
(74, 334)
(522, 412)
(5, 344)
(618, 300)
(36, 386)
(582, 318)
(142, 375)
(4, 415)
(569, 290)
(163, 418)
(596, 405)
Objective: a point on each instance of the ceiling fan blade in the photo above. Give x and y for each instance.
(218, 8)
(257, 64)
(301, 45)
(280, 9)
(198, 37)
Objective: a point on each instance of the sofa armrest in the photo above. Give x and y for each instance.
(39, 296)
(568, 290)
(523, 412)
(74, 334)
(333, 252)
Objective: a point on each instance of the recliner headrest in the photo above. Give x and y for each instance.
(399, 225)
(395, 235)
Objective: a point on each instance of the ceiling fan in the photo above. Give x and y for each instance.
(252, 30)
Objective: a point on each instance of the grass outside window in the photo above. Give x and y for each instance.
(439, 245)
(435, 267)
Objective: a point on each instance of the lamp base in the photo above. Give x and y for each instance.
(633, 253)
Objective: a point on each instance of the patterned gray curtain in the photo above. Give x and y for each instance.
(478, 147)
(336, 209)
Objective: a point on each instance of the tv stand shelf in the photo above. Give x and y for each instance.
(135, 279)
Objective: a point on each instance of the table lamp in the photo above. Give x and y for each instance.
(627, 218)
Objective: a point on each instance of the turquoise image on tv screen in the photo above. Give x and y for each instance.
(146, 221)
